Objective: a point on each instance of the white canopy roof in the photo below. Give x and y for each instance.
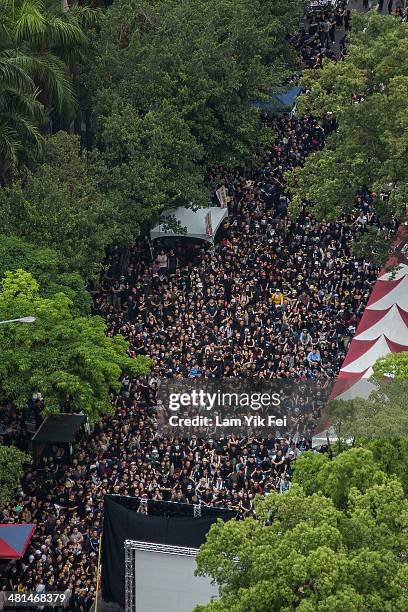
(202, 223)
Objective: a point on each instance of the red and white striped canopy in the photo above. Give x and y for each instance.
(383, 329)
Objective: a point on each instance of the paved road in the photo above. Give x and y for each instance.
(358, 4)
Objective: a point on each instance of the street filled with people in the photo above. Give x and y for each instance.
(272, 297)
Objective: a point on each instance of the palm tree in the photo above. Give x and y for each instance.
(21, 114)
(36, 49)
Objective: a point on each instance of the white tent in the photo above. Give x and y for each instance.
(202, 223)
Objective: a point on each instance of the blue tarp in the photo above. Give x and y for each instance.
(287, 99)
(280, 102)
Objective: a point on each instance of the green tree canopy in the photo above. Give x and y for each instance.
(45, 266)
(394, 364)
(391, 455)
(69, 359)
(148, 163)
(12, 461)
(382, 414)
(21, 114)
(60, 205)
(379, 422)
(368, 94)
(303, 553)
(37, 45)
(207, 59)
(169, 86)
(335, 478)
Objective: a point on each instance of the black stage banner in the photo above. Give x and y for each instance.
(165, 523)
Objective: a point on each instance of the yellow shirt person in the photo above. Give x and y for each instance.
(277, 297)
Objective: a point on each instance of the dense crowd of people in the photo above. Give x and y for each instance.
(269, 292)
(272, 298)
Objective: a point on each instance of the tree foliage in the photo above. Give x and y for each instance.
(21, 114)
(169, 86)
(376, 244)
(148, 163)
(391, 454)
(12, 461)
(37, 45)
(207, 60)
(382, 414)
(394, 364)
(69, 359)
(380, 422)
(60, 205)
(368, 94)
(303, 553)
(335, 478)
(45, 266)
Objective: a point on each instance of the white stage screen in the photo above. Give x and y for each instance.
(165, 581)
